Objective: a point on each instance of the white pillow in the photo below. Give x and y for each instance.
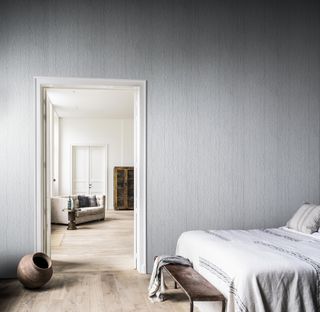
(306, 219)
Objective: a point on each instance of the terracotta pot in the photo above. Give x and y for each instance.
(34, 270)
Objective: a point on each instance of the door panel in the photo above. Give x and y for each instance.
(123, 188)
(97, 169)
(121, 178)
(55, 155)
(80, 170)
(130, 186)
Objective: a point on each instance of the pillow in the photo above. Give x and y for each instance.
(93, 201)
(306, 219)
(83, 201)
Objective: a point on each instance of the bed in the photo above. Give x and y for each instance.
(268, 270)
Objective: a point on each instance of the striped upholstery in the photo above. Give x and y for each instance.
(306, 219)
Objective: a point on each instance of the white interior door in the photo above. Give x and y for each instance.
(97, 170)
(88, 170)
(55, 155)
(80, 169)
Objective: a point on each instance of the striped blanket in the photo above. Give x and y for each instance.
(258, 270)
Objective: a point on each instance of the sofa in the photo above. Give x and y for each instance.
(59, 213)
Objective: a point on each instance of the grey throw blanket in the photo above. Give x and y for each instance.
(157, 285)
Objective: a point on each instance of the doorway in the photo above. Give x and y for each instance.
(92, 180)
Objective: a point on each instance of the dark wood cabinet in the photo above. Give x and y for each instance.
(123, 188)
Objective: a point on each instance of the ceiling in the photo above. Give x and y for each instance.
(92, 103)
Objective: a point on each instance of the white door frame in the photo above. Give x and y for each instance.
(41, 170)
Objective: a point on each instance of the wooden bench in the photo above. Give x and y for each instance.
(196, 287)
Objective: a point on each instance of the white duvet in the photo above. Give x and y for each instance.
(272, 270)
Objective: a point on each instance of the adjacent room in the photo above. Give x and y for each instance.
(91, 184)
(160, 155)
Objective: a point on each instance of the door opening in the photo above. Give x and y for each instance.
(87, 177)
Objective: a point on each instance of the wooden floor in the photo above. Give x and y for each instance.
(93, 271)
(95, 246)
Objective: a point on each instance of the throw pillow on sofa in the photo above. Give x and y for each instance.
(83, 201)
(93, 201)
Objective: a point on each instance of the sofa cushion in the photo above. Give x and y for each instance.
(89, 211)
(83, 201)
(93, 201)
(76, 203)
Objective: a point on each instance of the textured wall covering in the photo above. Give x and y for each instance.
(233, 106)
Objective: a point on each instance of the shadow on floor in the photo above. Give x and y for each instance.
(61, 266)
(11, 290)
(176, 296)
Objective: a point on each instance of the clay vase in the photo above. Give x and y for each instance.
(34, 270)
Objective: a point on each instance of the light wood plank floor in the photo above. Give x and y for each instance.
(92, 272)
(95, 246)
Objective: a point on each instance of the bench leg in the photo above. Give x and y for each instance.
(191, 305)
(223, 306)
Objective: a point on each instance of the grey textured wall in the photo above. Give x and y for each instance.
(233, 106)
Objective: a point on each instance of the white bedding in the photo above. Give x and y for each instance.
(258, 270)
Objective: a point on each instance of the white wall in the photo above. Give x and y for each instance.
(116, 133)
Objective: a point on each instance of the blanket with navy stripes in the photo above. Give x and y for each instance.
(270, 270)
